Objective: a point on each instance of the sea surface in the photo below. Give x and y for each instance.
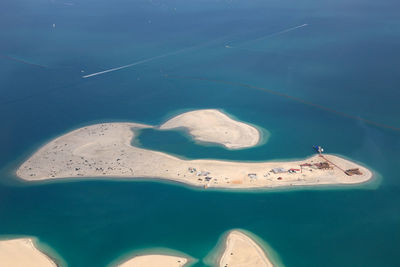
(333, 82)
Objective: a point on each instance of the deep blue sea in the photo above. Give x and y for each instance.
(347, 60)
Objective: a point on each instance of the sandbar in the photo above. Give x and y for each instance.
(105, 150)
(22, 252)
(211, 125)
(154, 261)
(241, 250)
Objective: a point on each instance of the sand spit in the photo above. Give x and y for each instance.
(211, 125)
(154, 261)
(22, 252)
(242, 251)
(105, 150)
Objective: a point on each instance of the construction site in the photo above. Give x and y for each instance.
(320, 165)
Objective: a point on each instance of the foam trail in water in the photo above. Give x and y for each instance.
(156, 57)
(22, 61)
(270, 35)
(132, 64)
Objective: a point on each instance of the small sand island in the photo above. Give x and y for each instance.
(238, 250)
(22, 252)
(105, 150)
(210, 125)
(241, 250)
(154, 261)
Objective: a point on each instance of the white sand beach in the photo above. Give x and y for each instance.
(242, 251)
(211, 125)
(105, 150)
(154, 261)
(22, 252)
(239, 251)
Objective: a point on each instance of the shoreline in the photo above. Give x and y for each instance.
(264, 134)
(253, 245)
(154, 260)
(24, 250)
(238, 247)
(270, 252)
(158, 252)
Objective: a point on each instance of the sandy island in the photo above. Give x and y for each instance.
(155, 261)
(105, 150)
(210, 125)
(241, 250)
(22, 252)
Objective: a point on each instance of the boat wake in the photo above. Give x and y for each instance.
(267, 36)
(156, 57)
(23, 61)
(133, 64)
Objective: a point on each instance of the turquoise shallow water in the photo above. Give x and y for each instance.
(346, 59)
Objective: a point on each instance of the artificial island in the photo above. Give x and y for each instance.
(238, 249)
(105, 150)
